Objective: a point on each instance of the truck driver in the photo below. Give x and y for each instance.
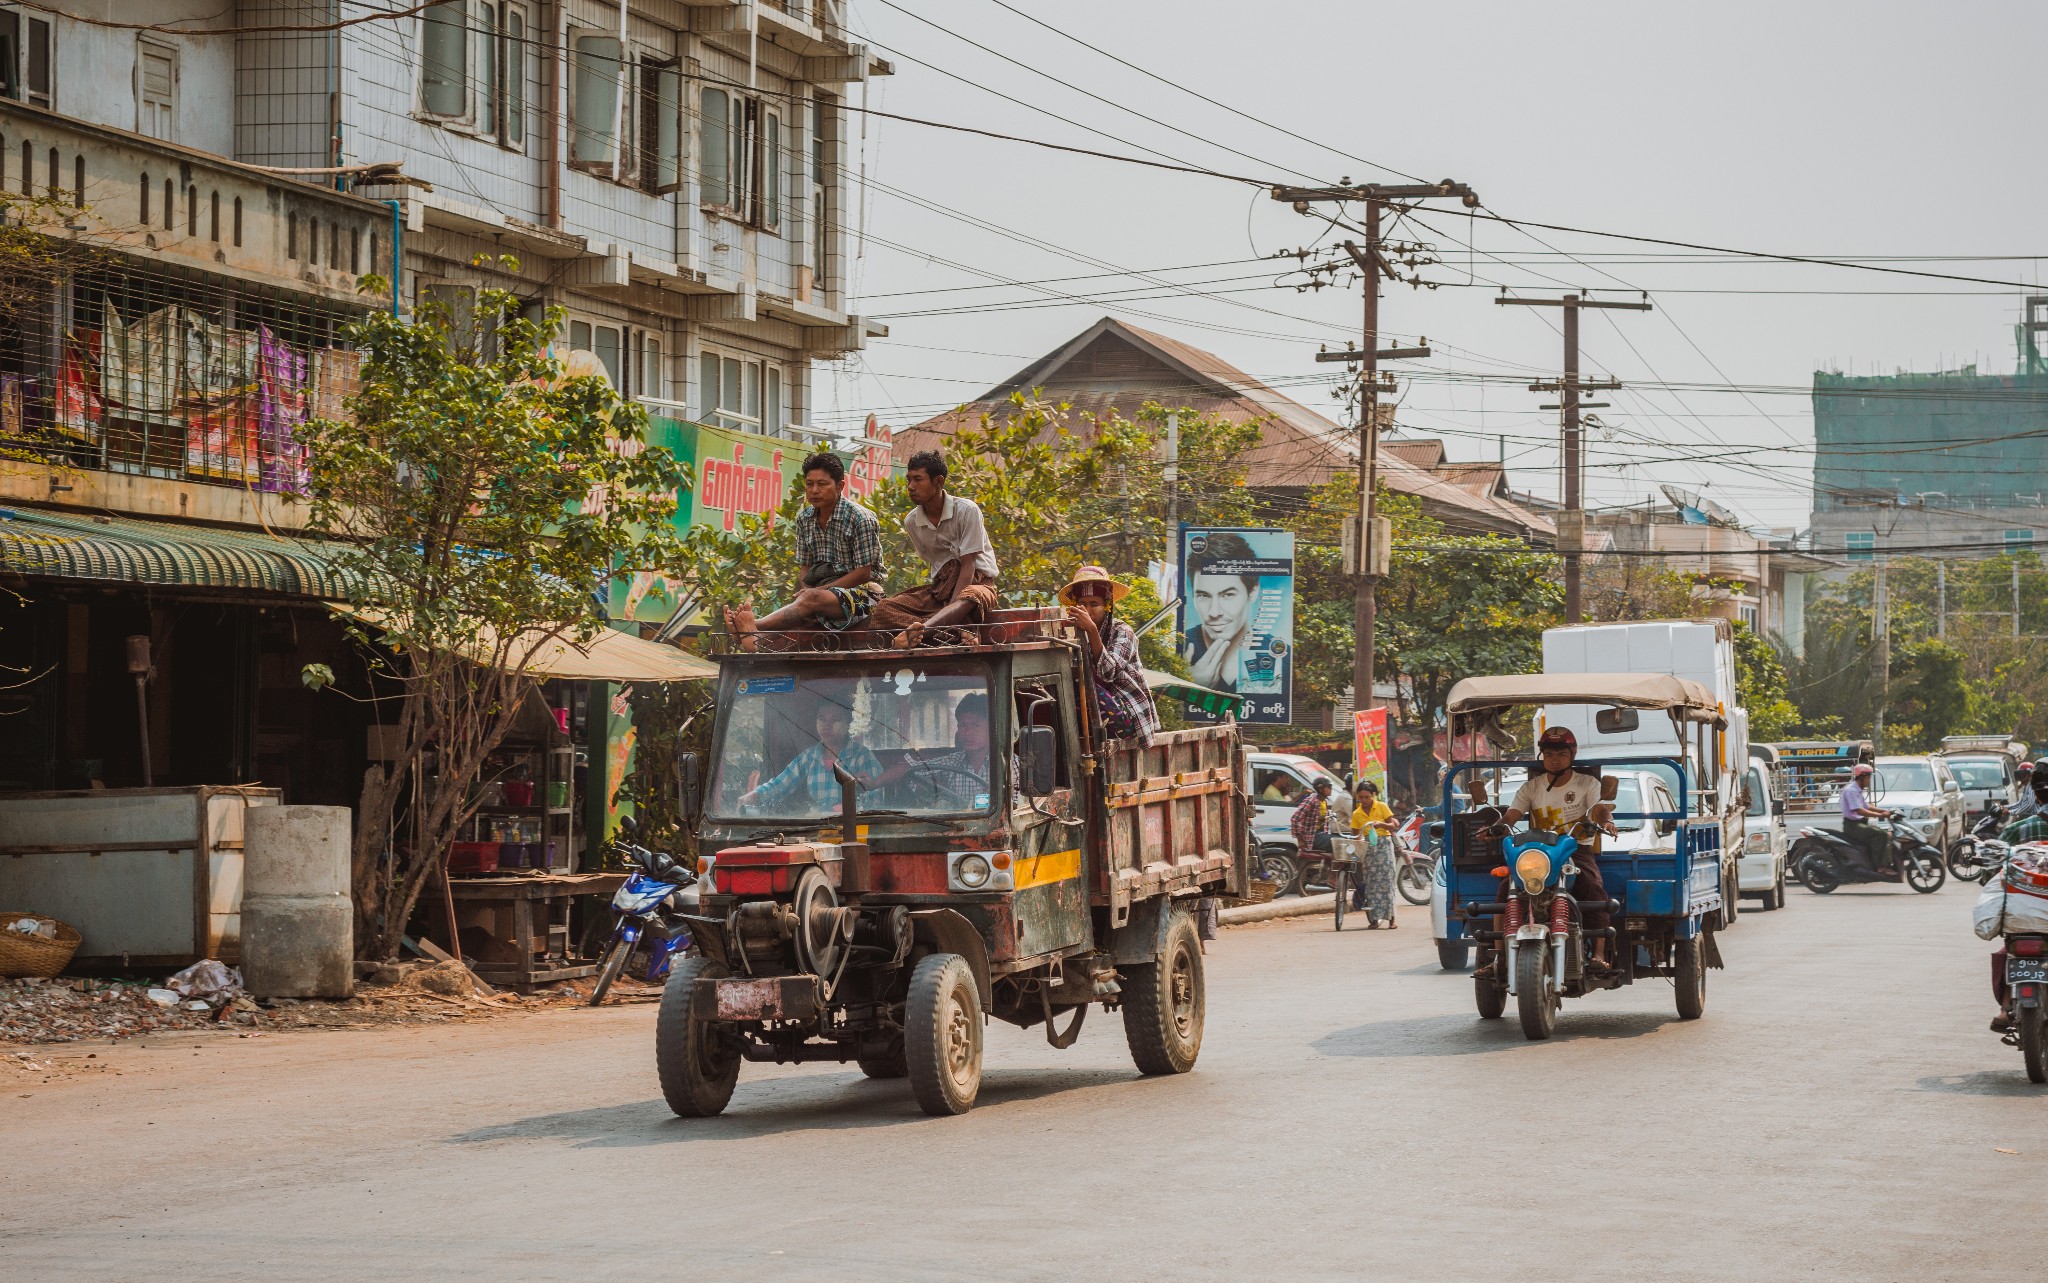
(1555, 800)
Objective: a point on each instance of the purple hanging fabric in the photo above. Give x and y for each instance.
(281, 408)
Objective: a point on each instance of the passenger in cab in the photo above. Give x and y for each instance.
(1556, 799)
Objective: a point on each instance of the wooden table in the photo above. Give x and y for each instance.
(526, 920)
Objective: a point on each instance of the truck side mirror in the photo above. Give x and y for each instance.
(1036, 760)
(1616, 721)
(1610, 787)
(689, 787)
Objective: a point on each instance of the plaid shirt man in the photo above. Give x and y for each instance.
(1127, 709)
(1311, 817)
(2030, 828)
(847, 540)
(809, 777)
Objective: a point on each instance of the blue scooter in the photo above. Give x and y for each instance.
(649, 909)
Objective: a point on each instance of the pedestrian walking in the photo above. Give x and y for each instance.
(1373, 822)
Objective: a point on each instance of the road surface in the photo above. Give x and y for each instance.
(1840, 1113)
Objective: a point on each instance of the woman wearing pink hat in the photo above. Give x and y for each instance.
(1120, 690)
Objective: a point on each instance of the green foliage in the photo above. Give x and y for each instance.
(1467, 605)
(480, 499)
(1761, 683)
(1931, 696)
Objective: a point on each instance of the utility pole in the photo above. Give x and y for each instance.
(1171, 474)
(1881, 649)
(1571, 525)
(1368, 540)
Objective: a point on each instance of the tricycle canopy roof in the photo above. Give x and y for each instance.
(1684, 699)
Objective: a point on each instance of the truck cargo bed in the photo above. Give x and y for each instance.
(1177, 821)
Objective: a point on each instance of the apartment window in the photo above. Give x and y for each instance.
(594, 116)
(213, 218)
(603, 342)
(513, 132)
(238, 219)
(145, 200)
(78, 181)
(444, 59)
(2018, 540)
(742, 158)
(156, 88)
(490, 85)
(821, 188)
(661, 125)
(739, 392)
(1860, 546)
(25, 58)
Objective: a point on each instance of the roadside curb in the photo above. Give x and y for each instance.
(1294, 907)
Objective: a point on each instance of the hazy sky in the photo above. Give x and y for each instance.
(1867, 130)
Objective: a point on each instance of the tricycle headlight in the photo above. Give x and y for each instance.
(972, 872)
(1533, 868)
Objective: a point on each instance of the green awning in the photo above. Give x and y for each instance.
(1208, 699)
(133, 550)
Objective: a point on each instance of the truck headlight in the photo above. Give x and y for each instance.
(1533, 868)
(971, 871)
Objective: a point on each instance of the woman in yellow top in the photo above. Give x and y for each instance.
(1373, 822)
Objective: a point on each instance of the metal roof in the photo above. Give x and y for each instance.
(132, 550)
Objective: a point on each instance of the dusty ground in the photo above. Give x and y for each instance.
(1840, 1113)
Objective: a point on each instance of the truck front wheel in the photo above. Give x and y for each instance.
(697, 1065)
(1164, 1003)
(942, 1034)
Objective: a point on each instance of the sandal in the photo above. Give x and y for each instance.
(1393, 925)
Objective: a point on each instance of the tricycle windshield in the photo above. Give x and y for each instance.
(915, 735)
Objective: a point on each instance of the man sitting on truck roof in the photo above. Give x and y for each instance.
(840, 545)
(1556, 799)
(948, 533)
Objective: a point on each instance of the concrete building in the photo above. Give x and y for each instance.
(214, 180)
(1759, 579)
(1953, 464)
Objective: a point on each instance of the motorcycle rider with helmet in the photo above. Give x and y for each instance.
(1558, 798)
(1872, 842)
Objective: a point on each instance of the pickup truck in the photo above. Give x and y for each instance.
(904, 844)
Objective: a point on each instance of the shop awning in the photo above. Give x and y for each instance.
(544, 652)
(1210, 700)
(134, 550)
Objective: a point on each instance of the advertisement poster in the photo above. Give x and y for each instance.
(1369, 749)
(1237, 618)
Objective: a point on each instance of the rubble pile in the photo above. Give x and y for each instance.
(209, 996)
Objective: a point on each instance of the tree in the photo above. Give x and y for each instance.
(1464, 605)
(1761, 683)
(481, 501)
(1931, 696)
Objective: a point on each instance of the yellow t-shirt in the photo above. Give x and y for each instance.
(1361, 816)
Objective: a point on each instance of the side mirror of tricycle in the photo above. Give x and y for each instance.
(1036, 760)
(1436, 830)
(1666, 827)
(689, 787)
(1616, 721)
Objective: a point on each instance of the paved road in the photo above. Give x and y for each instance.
(1838, 1114)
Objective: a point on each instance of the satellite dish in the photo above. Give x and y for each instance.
(1708, 512)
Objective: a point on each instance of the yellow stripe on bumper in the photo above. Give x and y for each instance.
(1054, 866)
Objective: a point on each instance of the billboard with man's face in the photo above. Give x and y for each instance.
(1237, 617)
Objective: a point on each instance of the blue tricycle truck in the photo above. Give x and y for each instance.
(1511, 894)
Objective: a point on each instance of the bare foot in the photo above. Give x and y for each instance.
(911, 636)
(739, 621)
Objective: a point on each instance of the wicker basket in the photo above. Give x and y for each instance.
(22, 955)
(1259, 891)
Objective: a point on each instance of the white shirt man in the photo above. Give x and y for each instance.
(957, 533)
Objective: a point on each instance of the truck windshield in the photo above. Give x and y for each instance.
(1978, 772)
(917, 737)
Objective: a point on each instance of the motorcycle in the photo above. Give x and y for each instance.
(1975, 857)
(648, 911)
(1823, 860)
(2026, 984)
(1543, 947)
(1415, 871)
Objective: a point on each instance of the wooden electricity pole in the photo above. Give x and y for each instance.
(1571, 523)
(1373, 264)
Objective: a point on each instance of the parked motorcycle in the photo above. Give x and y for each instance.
(1415, 872)
(1978, 854)
(1823, 860)
(648, 913)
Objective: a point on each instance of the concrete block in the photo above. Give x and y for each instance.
(296, 850)
(298, 924)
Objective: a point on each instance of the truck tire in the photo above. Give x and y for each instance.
(1689, 977)
(1164, 1003)
(697, 1066)
(942, 1029)
(889, 1064)
(1453, 955)
(1534, 996)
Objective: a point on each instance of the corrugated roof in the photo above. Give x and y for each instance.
(1301, 448)
(133, 550)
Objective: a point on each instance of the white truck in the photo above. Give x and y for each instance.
(1702, 650)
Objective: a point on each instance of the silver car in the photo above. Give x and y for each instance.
(1925, 795)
